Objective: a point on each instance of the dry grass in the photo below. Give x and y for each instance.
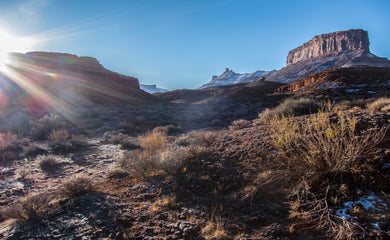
(7, 139)
(153, 141)
(76, 186)
(30, 208)
(42, 127)
(198, 138)
(320, 146)
(10, 146)
(145, 163)
(297, 107)
(314, 156)
(59, 135)
(117, 173)
(61, 141)
(381, 104)
(158, 156)
(215, 229)
(48, 163)
(239, 124)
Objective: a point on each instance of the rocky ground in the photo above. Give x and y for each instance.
(213, 194)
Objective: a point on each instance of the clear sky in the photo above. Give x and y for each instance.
(182, 43)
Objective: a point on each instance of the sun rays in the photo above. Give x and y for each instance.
(10, 43)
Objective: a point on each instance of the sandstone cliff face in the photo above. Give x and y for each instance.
(354, 39)
(57, 80)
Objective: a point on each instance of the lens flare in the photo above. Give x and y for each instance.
(10, 43)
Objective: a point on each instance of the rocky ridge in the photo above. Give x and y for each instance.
(230, 77)
(370, 80)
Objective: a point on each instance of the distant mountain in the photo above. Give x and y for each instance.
(333, 50)
(152, 88)
(229, 77)
(58, 80)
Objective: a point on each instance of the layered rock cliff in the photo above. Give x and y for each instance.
(354, 39)
(333, 50)
(57, 80)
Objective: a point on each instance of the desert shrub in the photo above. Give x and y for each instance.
(20, 123)
(203, 138)
(199, 138)
(172, 129)
(62, 142)
(76, 186)
(117, 173)
(357, 103)
(239, 124)
(48, 163)
(42, 127)
(32, 150)
(144, 163)
(381, 104)
(314, 155)
(215, 229)
(30, 208)
(114, 137)
(9, 147)
(24, 174)
(129, 143)
(161, 130)
(58, 135)
(297, 107)
(153, 141)
(263, 117)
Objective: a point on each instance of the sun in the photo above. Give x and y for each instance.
(10, 43)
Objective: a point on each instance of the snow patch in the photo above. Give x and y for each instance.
(327, 85)
(229, 77)
(353, 90)
(368, 202)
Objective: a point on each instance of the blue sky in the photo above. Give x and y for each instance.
(181, 44)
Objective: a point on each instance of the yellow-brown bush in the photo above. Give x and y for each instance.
(76, 186)
(239, 124)
(297, 107)
(314, 155)
(29, 208)
(381, 104)
(152, 141)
